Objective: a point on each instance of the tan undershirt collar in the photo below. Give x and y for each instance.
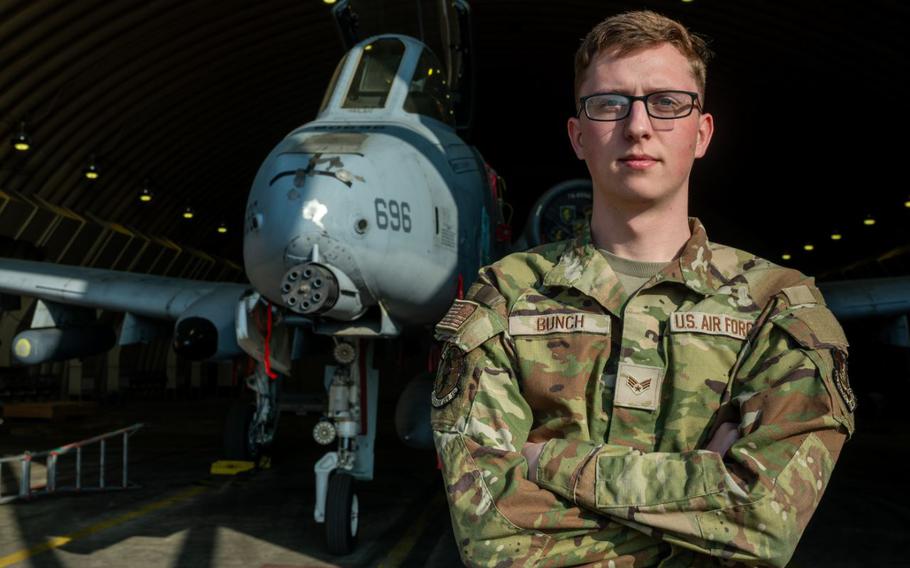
(632, 273)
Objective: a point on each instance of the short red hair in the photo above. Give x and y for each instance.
(630, 31)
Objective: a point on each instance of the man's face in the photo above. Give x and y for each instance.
(672, 145)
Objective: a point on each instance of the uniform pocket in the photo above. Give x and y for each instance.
(700, 367)
(557, 377)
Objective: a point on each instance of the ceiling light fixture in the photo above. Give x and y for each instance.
(91, 170)
(145, 194)
(22, 142)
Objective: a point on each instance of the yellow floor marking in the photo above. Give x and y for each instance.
(58, 541)
(231, 467)
(400, 551)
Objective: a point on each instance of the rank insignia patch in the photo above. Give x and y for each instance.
(841, 381)
(638, 386)
(459, 313)
(446, 387)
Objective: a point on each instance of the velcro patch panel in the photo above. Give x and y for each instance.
(799, 295)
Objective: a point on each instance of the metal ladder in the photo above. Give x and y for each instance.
(25, 467)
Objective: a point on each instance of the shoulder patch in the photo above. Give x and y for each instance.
(469, 326)
(448, 377)
(841, 381)
(457, 315)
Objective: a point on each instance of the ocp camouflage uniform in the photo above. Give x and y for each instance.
(547, 347)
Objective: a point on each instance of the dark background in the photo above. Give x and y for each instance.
(807, 99)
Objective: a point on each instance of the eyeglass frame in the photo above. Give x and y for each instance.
(632, 98)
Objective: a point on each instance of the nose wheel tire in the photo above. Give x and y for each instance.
(341, 514)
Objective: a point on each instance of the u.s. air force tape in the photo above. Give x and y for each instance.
(714, 324)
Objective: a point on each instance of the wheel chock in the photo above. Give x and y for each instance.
(231, 467)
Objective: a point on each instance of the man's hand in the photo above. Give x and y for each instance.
(725, 436)
(531, 452)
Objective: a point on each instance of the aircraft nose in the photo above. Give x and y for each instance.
(314, 206)
(322, 192)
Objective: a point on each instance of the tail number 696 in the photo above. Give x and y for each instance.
(392, 214)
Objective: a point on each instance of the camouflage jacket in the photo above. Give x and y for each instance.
(625, 393)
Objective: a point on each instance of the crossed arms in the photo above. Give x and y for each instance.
(749, 504)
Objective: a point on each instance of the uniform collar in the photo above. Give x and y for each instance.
(583, 267)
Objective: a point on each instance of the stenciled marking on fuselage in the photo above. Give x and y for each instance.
(392, 214)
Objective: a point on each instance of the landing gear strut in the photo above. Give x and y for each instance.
(250, 426)
(350, 422)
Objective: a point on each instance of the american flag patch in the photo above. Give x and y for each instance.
(459, 313)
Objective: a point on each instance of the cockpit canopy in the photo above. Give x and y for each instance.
(391, 73)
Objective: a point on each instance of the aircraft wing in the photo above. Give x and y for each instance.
(140, 294)
(205, 312)
(868, 297)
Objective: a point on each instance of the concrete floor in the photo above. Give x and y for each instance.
(182, 516)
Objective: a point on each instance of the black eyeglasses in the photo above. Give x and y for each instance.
(665, 105)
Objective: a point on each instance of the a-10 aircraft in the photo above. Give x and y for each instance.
(365, 222)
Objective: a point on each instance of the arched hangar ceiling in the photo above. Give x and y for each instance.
(193, 94)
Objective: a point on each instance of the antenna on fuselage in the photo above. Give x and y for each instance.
(420, 20)
(347, 21)
(458, 40)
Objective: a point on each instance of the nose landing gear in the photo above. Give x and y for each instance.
(354, 419)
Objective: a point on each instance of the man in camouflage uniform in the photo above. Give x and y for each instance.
(690, 417)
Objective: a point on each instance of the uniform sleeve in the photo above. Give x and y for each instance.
(480, 423)
(753, 504)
